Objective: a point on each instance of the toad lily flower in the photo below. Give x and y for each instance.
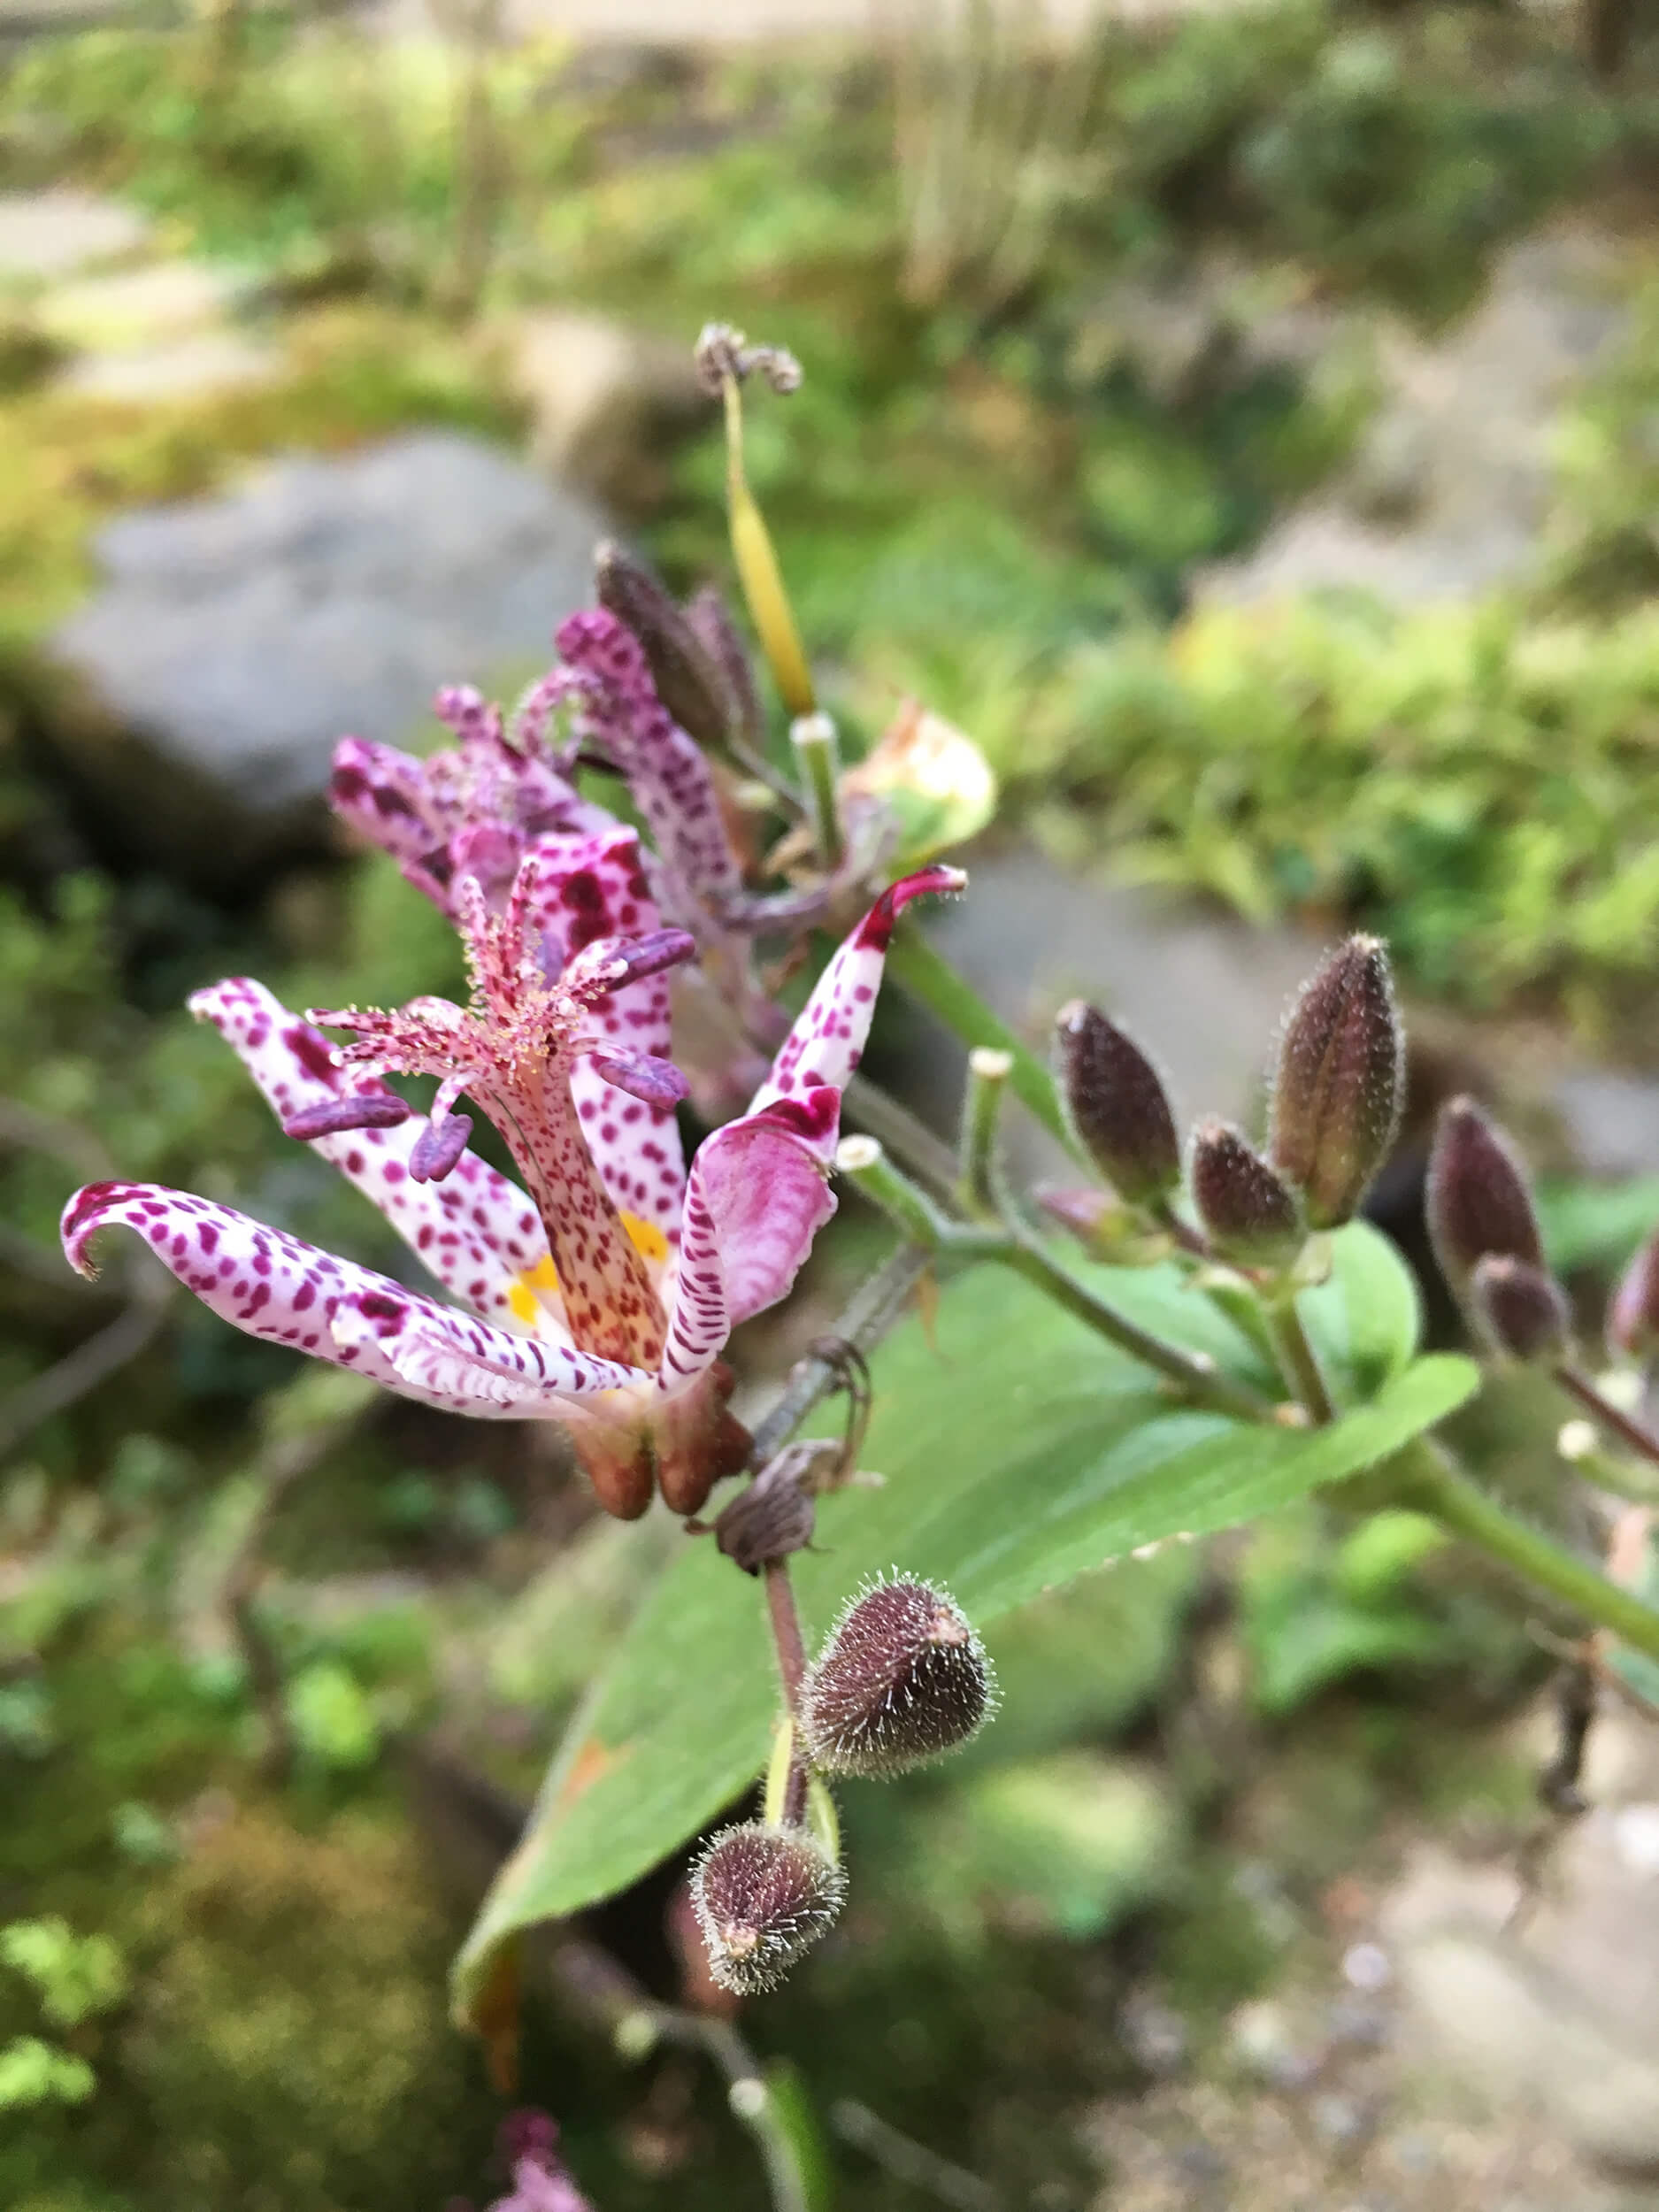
(600, 1295)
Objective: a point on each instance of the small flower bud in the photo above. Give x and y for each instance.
(763, 1896)
(1522, 1312)
(1478, 1199)
(1340, 1082)
(1633, 1318)
(1248, 1213)
(712, 623)
(687, 679)
(1118, 1105)
(902, 1680)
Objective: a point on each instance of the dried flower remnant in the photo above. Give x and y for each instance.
(1117, 1104)
(1249, 1213)
(1479, 1200)
(903, 1679)
(1340, 1083)
(763, 1896)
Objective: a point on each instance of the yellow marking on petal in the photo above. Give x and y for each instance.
(523, 1286)
(645, 1238)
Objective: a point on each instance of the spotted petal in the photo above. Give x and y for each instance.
(588, 888)
(271, 1286)
(828, 1039)
(476, 1232)
(758, 1191)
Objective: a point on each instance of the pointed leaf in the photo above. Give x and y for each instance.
(1021, 1453)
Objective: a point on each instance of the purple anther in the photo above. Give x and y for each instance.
(656, 1082)
(438, 1148)
(359, 1110)
(610, 964)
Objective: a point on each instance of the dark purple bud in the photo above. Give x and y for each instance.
(1520, 1310)
(712, 623)
(1117, 1104)
(902, 1680)
(1248, 1214)
(1478, 1198)
(439, 1147)
(763, 1897)
(1633, 1318)
(688, 681)
(642, 1075)
(1340, 1083)
(334, 1117)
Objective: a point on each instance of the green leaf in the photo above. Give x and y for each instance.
(1020, 1451)
(1366, 1318)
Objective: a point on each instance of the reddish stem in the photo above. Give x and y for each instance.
(1578, 1384)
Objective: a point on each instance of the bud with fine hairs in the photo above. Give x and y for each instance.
(686, 677)
(1249, 1212)
(1632, 1316)
(902, 1680)
(1479, 1200)
(763, 1896)
(1522, 1312)
(1340, 1082)
(1117, 1104)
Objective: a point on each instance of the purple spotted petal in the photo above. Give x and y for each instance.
(756, 1197)
(270, 1285)
(828, 1039)
(667, 770)
(475, 1231)
(590, 889)
(383, 795)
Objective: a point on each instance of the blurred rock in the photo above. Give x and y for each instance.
(1461, 447)
(236, 637)
(1554, 2009)
(605, 402)
(54, 233)
(210, 362)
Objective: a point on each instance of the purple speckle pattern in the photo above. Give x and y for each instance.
(514, 1052)
(591, 890)
(617, 711)
(474, 1231)
(828, 1039)
(271, 1286)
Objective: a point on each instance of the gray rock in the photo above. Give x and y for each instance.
(1461, 450)
(235, 638)
(53, 234)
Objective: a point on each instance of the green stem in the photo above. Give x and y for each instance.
(1196, 1377)
(982, 1117)
(914, 964)
(1298, 1361)
(818, 755)
(1426, 1477)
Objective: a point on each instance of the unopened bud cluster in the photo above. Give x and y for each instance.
(1483, 1226)
(1337, 1093)
(902, 1679)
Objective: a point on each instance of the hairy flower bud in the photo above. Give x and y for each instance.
(1248, 1213)
(1340, 1082)
(712, 623)
(763, 1896)
(1478, 1199)
(1632, 1316)
(1118, 1105)
(1522, 1312)
(902, 1680)
(686, 677)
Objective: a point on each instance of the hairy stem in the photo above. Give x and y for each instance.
(988, 1072)
(868, 1317)
(1298, 1361)
(1425, 1477)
